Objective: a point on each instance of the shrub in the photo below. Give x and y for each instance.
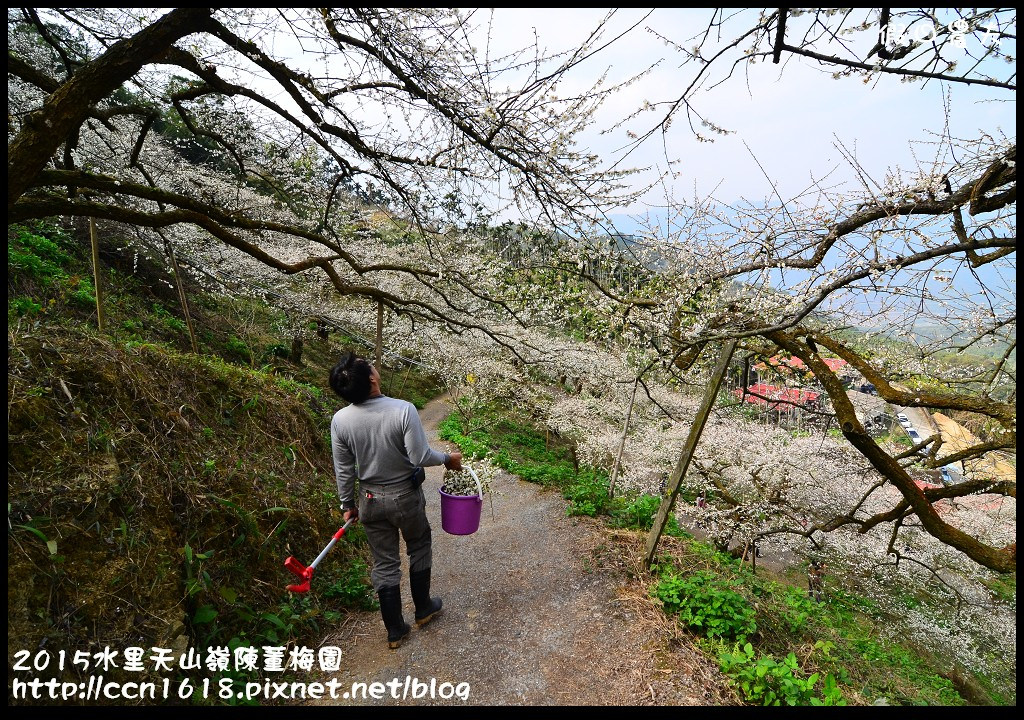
(707, 605)
(768, 681)
(24, 306)
(32, 252)
(352, 586)
(170, 321)
(84, 293)
(638, 512)
(237, 346)
(473, 445)
(798, 608)
(278, 350)
(587, 496)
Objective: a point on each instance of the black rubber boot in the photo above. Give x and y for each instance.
(427, 608)
(390, 598)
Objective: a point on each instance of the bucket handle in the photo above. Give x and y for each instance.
(478, 485)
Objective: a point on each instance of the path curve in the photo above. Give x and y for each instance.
(532, 615)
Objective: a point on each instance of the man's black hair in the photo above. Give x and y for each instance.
(350, 378)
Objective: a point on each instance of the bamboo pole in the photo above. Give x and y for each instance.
(676, 480)
(96, 273)
(405, 380)
(380, 332)
(622, 441)
(181, 295)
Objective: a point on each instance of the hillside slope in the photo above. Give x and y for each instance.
(172, 485)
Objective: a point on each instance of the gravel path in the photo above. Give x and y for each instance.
(539, 609)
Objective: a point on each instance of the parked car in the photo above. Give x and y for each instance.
(914, 435)
(947, 477)
(904, 420)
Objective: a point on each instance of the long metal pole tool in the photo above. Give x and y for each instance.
(306, 573)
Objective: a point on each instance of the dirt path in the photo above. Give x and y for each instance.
(538, 611)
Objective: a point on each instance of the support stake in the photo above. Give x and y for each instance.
(622, 441)
(181, 294)
(676, 480)
(380, 332)
(96, 273)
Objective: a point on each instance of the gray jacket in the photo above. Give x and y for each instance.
(380, 441)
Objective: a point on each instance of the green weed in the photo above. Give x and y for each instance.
(767, 681)
(638, 512)
(24, 306)
(352, 586)
(37, 252)
(706, 605)
(167, 319)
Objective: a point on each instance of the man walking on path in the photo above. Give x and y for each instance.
(381, 441)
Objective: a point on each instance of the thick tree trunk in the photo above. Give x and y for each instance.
(71, 103)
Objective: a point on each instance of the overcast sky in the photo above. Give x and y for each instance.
(790, 121)
(787, 119)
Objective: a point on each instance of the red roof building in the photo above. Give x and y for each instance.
(779, 363)
(777, 397)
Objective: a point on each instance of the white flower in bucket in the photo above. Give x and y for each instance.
(463, 483)
(462, 496)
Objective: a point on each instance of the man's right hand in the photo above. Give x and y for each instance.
(454, 461)
(350, 514)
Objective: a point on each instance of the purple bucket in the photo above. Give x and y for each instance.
(460, 514)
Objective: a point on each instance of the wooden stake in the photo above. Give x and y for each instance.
(96, 273)
(405, 380)
(380, 331)
(676, 479)
(181, 295)
(622, 441)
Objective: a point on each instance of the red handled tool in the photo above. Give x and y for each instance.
(306, 573)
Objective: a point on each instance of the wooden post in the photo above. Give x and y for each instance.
(96, 273)
(676, 479)
(380, 332)
(824, 433)
(405, 380)
(181, 295)
(622, 441)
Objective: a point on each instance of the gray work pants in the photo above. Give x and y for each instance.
(386, 510)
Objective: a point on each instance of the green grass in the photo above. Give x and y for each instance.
(793, 638)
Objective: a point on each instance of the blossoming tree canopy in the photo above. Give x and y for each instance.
(900, 279)
(369, 150)
(257, 130)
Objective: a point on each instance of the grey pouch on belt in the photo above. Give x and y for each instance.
(418, 477)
